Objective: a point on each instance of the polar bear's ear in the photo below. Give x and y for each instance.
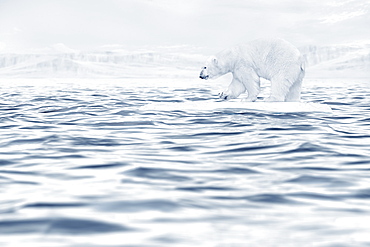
(214, 60)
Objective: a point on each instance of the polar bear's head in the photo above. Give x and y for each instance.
(212, 70)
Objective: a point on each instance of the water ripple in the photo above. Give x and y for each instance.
(60, 226)
(82, 165)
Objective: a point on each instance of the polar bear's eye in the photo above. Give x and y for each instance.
(204, 67)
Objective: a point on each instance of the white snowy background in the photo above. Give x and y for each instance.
(166, 38)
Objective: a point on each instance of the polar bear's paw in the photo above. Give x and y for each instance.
(274, 99)
(222, 95)
(249, 99)
(225, 96)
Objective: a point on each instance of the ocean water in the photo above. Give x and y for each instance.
(81, 164)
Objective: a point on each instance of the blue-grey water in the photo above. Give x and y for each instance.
(82, 165)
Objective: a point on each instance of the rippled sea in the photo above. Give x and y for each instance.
(82, 165)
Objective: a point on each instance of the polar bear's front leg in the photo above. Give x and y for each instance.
(253, 89)
(250, 80)
(234, 90)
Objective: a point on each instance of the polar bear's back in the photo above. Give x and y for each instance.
(270, 56)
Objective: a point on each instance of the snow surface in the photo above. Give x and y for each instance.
(337, 61)
(238, 106)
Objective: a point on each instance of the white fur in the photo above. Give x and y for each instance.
(275, 60)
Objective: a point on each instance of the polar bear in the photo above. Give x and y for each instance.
(272, 59)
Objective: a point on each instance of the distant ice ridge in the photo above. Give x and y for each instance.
(109, 61)
(337, 61)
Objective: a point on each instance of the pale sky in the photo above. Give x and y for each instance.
(86, 24)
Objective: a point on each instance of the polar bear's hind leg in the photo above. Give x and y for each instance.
(279, 89)
(294, 93)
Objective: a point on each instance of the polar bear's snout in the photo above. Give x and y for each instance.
(204, 73)
(205, 77)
